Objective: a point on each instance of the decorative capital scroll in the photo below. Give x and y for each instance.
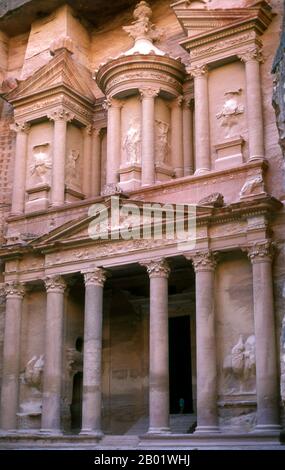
(178, 101)
(261, 251)
(14, 289)
(96, 277)
(203, 260)
(20, 127)
(157, 267)
(97, 131)
(198, 71)
(88, 129)
(148, 93)
(111, 102)
(142, 27)
(253, 54)
(61, 115)
(55, 284)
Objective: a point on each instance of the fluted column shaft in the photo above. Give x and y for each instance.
(96, 162)
(92, 361)
(188, 153)
(60, 118)
(202, 123)
(148, 96)
(11, 355)
(87, 161)
(261, 255)
(252, 59)
(158, 347)
(19, 185)
(207, 417)
(113, 140)
(55, 287)
(177, 136)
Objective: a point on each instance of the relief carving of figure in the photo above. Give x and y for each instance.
(229, 115)
(239, 366)
(132, 141)
(162, 144)
(72, 171)
(33, 371)
(254, 185)
(41, 164)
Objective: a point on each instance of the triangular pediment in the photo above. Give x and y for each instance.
(198, 18)
(61, 70)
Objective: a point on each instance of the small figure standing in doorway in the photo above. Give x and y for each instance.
(181, 405)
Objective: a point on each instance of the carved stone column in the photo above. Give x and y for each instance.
(188, 152)
(202, 123)
(55, 287)
(148, 96)
(158, 271)
(177, 136)
(96, 162)
(113, 140)
(252, 60)
(60, 118)
(19, 181)
(207, 417)
(261, 255)
(11, 355)
(92, 361)
(87, 160)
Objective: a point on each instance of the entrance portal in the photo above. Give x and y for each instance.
(180, 374)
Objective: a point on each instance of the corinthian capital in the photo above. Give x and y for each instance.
(203, 260)
(23, 127)
(60, 114)
(261, 251)
(198, 71)
(96, 277)
(55, 284)
(253, 54)
(149, 92)
(157, 268)
(14, 289)
(112, 103)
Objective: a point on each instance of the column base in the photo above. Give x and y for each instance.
(254, 158)
(267, 428)
(207, 430)
(91, 433)
(201, 171)
(153, 430)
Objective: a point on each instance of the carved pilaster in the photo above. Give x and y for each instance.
(260, 252)
(60, 114)
(14, 289)
(203, 260)
(157, 268)
(96, 277)
(55, 284)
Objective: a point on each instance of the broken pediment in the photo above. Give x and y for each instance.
(60, 71)
(197, 18)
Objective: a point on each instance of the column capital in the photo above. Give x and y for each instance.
(97, 131)
(198, 71)
(149, 92)
(188, 103)
(111, 102)
(88, 130)
(253, 54)
(203, 260)
(96, 277)
(14, 289)
(55, 284)
(157, 267)
(60, 114)
(177, 101)
(20, 127)
(261, 252)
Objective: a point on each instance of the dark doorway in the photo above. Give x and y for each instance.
(180, 374)
(76, 404)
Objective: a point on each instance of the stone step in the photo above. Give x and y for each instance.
(119, 441)
(179, 424)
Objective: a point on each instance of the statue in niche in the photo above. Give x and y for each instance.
(72, 173)
(162, 144)
(131, 143)
(41, 164)
(230, 113)
(240, 365)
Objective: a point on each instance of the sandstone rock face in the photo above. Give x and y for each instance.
(114, 119)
